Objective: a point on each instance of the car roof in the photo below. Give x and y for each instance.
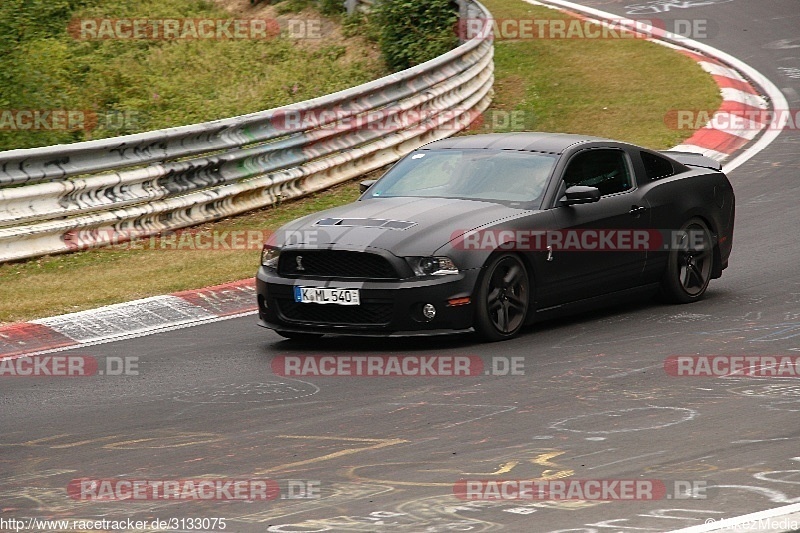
(552, 143)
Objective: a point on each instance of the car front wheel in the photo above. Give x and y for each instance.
(503, 299)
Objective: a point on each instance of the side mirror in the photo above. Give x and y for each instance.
(580, 194)
(366, 184)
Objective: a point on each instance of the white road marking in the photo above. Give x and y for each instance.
(719, 70)
(730, 524)
(772, 92)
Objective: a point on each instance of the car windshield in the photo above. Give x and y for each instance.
(496, 175)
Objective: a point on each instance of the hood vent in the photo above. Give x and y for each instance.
(365, 223)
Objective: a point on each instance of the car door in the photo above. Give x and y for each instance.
(602, 262)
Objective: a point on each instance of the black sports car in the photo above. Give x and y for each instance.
(487, 233)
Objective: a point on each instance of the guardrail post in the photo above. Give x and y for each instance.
(463, 10)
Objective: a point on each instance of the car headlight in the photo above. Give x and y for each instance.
(432, 266)
(270, 256)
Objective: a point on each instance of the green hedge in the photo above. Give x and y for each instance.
(130, 86)
(326, 7)
(414, 31)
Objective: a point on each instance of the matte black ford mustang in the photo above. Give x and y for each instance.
(486, 233)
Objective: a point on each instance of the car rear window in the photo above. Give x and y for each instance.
(656, 167)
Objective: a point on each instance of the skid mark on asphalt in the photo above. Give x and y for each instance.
(30, 476)
(781, 331)
(623, 421)
(776, 395)
(374, 444)
(172, 440)
(235, 393)
(752, 441)
(627, 459)
(495, 410)
(333, 495)
(434, 514)
(540, 460)
(534, 463)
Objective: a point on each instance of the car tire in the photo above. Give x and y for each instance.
(503, 298)
(299, 336)
(689, 266)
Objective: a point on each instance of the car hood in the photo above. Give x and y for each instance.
(404, 226)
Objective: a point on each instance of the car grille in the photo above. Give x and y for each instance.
(366, 313)
(335, 264)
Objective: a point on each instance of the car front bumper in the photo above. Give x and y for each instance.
(388, 308)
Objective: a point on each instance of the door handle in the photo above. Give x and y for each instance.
(637, 210)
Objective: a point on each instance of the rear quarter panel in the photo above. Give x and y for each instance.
(698, 192)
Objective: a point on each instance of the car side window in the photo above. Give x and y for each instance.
(656, 167)
(605, 169)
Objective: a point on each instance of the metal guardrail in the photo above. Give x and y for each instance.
(77, 196)
(362, 6)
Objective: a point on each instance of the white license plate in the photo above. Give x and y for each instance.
(318, 295)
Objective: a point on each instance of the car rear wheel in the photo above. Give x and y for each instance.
(690, 264)
(503, 299)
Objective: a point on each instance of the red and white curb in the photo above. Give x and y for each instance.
(128, 320)
(730, 129)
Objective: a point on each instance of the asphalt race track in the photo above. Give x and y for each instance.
(591, 399)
